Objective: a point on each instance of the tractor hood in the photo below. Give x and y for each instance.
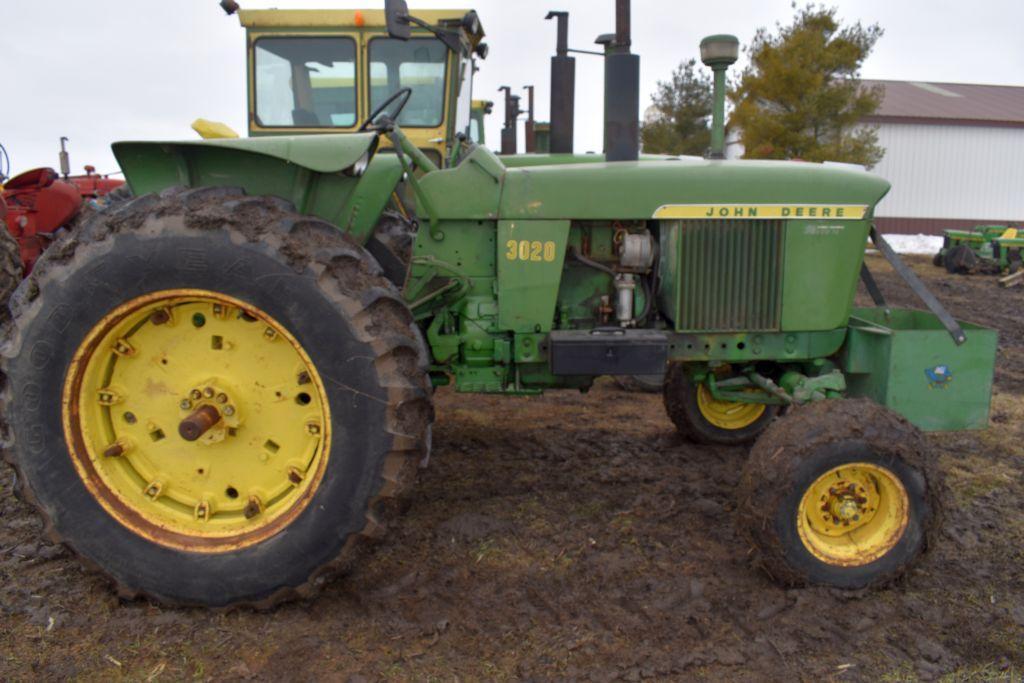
(320, 153)
(686, 187)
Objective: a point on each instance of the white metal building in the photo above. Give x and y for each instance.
(954, 154)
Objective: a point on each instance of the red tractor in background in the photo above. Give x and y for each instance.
(34, 205)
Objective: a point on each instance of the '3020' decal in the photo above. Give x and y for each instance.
(526, 250)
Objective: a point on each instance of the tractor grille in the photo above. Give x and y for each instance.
(731, 275)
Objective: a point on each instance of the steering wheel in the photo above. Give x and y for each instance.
(402, 94)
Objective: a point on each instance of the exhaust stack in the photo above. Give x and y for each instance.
(621, 90)
(719, 52)
(509, 139)
(530, 126)
(563, 89)
(65, 160)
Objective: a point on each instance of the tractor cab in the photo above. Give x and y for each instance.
(327, 71)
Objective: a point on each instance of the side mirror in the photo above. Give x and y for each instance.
(396, 15)
(471, 23)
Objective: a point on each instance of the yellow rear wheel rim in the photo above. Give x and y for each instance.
(853, 514)
(159, 361)
(727, 414)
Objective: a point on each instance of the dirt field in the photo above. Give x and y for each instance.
(576, 537)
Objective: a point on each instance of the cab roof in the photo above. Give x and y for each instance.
(341, 18)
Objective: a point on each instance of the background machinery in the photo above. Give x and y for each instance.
(217, 389)
(986, 248)
(34, 205)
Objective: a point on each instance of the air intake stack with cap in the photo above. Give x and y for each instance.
(719, 52)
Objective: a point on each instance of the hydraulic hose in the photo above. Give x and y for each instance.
(588, 262)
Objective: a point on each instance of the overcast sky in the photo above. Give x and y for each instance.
(103, 70)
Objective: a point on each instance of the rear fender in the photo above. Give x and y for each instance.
(334, 177)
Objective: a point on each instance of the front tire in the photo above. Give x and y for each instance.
(701, 418)
(199, 303)
(840, 493)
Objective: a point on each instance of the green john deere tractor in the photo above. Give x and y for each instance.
(215, 390)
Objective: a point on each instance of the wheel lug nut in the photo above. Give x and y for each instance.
(222, 398)
(195, 394)
(208, 392)
(106, 397)
(202, 511)
(185, 404)
(253, 507)
(229, 410)
(160, 317)
(116, 449)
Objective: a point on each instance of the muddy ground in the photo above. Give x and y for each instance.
(576, 537)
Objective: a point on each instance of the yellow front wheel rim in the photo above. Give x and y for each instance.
(853, 514)
(196, 420)
(729, 415)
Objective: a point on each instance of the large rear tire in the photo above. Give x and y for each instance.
(840, 493)
(212, 398)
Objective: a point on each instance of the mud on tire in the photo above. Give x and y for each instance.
(807, 443)
(391, 244)
(332, 297)
(10, 268)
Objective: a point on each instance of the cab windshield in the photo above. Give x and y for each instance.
(310, 82)
(306, 82)
(419, 64)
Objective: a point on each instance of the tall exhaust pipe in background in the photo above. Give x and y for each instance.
(509, 139)
(719, 52)
(530, 127)
(621, 91)
(563, 89)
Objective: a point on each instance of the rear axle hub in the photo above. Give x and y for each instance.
(199, 422)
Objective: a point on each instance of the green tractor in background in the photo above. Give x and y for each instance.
(215, 390)
(986, 248)
(479, 111)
